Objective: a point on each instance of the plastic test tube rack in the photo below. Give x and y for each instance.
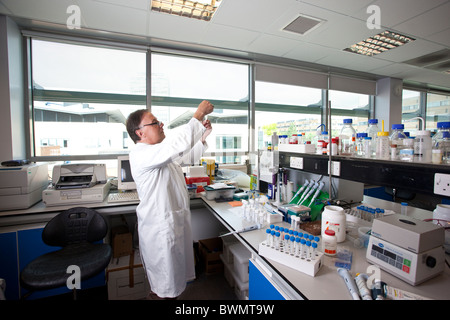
(296, 252)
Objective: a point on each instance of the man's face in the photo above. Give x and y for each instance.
(150, 131)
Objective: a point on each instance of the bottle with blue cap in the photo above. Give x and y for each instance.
(347, 139)
(396, 138)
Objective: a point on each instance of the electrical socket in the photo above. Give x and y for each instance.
(442, 184)
(335, 168)
(296, 162)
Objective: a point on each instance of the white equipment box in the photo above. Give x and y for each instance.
(408, 248)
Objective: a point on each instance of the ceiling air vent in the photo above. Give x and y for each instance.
(303, 24)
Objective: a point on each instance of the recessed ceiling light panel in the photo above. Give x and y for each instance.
(201, 9)
(379, 43)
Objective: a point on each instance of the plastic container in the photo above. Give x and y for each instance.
(329, 243)
(383, 146)
(219, 193)
(364, 235)
(404, 208)
(333, 218)
(347, 139)
(241, 256)
(422, 146)
(334, 147)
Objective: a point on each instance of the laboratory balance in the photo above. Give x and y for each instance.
(408, 248)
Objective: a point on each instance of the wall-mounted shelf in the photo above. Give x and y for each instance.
(416, 177)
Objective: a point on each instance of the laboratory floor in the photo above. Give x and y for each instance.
(204, 287)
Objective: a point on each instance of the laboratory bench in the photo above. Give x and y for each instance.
(268, 279)
(326, 284)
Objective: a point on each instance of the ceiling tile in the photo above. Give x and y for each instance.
(272, 45)
(108, 17)
(428, 23)
(346, 7)
(166, 26)
(252, 15)
(45, 10)
(394, 12)
(228, 37)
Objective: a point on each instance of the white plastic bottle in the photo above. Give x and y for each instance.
(347, 139)
(383, 146)
(329, 243)
(333, 218)
(422, 146)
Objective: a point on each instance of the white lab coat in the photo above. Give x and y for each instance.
(164, 217)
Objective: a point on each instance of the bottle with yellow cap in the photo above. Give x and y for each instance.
(383, 143)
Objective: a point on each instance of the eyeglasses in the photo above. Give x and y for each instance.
(150, 124)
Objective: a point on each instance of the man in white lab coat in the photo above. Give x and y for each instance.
(164, 218)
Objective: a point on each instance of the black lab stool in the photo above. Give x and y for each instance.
(75, 230)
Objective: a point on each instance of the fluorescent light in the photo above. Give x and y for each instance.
(379, 43)
(201, 9)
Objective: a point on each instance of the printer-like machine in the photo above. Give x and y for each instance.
(77, 184)
(21, 186)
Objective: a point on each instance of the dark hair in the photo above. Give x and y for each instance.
(133, 122)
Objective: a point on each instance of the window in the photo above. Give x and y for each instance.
(411, 107)
(286, 110)
(437, 110)
(180, 83)
(347, 105)
(82, 96)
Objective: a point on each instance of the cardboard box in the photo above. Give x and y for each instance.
(210, 251)
(122, 241)
(126, 278)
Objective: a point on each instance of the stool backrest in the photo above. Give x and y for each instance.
(75, 225)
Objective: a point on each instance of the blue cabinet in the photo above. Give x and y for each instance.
(9, 264)
(260, 287)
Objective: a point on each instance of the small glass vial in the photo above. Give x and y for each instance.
(404, 209)
(329, 242)
(382, 151)
(393, 152)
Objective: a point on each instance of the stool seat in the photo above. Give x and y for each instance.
(50, 270)
(77, 233)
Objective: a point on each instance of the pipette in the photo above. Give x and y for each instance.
(311, 184)
(300, 190)
(321, 184)
(254, 227)
(310, 192)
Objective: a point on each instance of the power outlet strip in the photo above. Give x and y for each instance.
(442, 184)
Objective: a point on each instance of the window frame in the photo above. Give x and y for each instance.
(148, 100)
